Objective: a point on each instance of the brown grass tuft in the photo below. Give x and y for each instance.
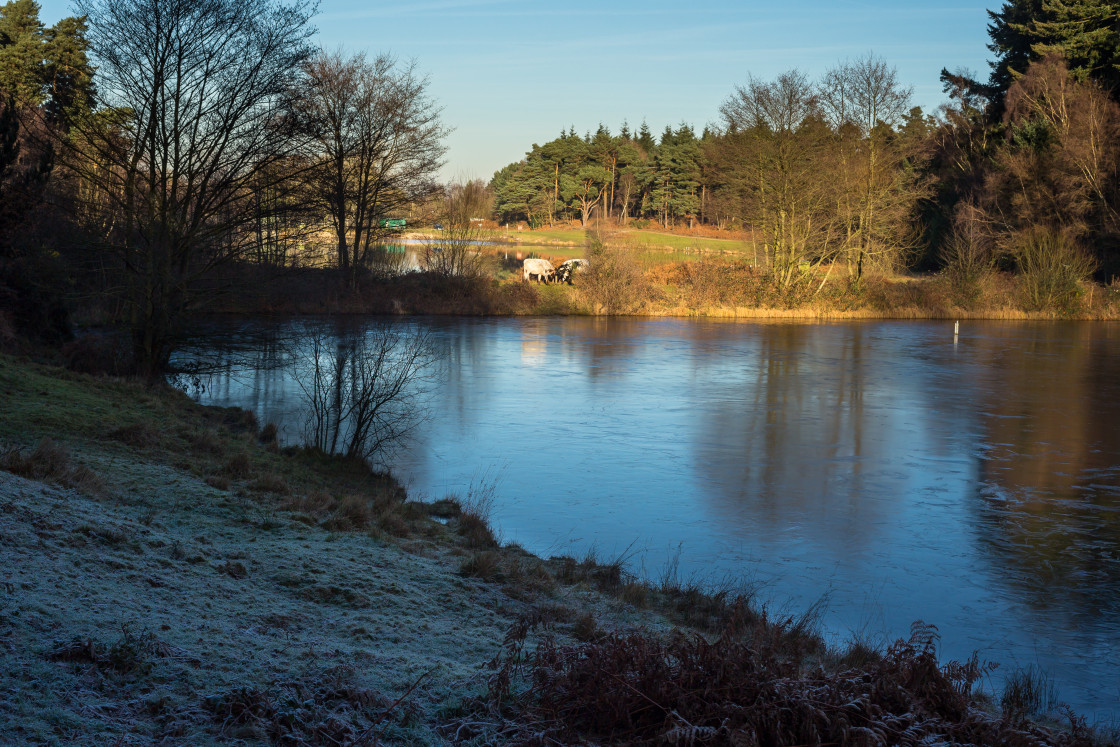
(328, 708)
(486, 565)
(351, 512)
(585, 628)
(234, 569)
(205, 442)
(271, 483)
(269, 434)
(237, 466)
(475, 529)
(132, 654)
(51, 462)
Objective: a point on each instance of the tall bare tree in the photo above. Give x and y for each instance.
(194, 101)
(380, 142)
(865, 94)
(778, 135)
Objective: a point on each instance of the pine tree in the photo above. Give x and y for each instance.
(645, 138)
(21, 54)
(45, 66)
(67, 74)
(1085, 32)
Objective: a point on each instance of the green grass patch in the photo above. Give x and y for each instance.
(678, 243)
(117, 416)
(543, 235)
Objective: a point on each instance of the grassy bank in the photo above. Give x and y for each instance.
(649, 283)
(656, 274)
(171, 576)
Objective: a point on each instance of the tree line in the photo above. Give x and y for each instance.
(145, 146)
(152, 143)
(1015, 170)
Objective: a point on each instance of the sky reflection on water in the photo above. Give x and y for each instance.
(880, 465)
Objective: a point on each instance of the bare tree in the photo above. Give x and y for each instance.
(865, 95)
(363, 393)
(782, 142)
(968, 253)
(457, 251)
(194, 96)
(467, 200)
(379, 140)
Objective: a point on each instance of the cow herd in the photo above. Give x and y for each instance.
(543, 271)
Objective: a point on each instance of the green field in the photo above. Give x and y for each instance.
(644, 239)
(676, 242)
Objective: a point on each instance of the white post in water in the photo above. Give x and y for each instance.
(956, 330)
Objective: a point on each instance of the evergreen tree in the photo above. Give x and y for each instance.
(66, 72)
(21, 53)
(45, 66)
(675, 169)
(645, 138)
(1085, 32)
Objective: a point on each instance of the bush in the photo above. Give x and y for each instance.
(719, 284)
(615, 283)
(1051, 268)
(968, 258)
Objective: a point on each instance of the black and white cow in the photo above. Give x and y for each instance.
(569, 268)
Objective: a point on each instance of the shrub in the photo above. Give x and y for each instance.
(1051, 268)
(615, 282)
(968, 258)
(715, 284)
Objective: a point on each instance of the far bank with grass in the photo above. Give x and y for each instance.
(646, 273)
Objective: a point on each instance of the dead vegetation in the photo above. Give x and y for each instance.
(328, 709)
(741, 688)
(132, 654)
(51, 462)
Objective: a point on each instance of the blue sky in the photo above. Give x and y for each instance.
(512, 73)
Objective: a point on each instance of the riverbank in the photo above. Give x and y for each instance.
(693, 289)
(170, 574)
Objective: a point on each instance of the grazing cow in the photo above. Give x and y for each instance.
(542, 268)
(570, 267)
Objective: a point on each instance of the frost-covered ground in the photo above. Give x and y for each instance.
(144, 618)
(155, 601)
